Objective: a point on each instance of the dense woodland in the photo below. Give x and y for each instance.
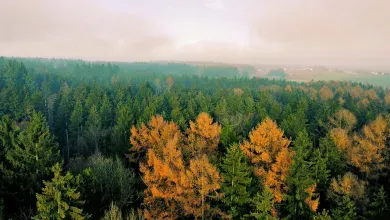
(85, 140)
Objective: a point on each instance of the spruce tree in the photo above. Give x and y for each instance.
(236, 174)
(300, 204)
(263, 206)
(28, 158)
(60, 198)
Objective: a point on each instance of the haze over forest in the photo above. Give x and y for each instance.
(348, 33)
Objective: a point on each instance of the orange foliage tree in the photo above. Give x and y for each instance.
(203, 182)
(177, 186)
(165, 179)
(268, 151)
(153, 136)
(326, 93)
(367, 150)
(202, 135)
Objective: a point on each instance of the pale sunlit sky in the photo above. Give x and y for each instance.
(324, 32)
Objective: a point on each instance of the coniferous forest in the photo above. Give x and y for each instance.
(112, 141)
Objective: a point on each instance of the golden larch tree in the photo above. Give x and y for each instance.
(164, 177)
(203, 181)
(170, 82)
(326, 93)
(154, 136)
(203, 135)
(343, 119)
(268, 151)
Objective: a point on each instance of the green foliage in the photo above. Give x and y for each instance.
(60, 198)
(108, 180)
(114, 213)
(236, 174)
(300, 179)
(324, 215)
(345, 211)
(30, 153)
(378, 205)
(263, 206)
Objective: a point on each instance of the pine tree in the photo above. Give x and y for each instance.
(60, 198)
(345, 211)
(236, 180)
(300, 201)
(378, 206)
(29, 157)
(263, 206)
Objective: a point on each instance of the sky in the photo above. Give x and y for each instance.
(290, 32)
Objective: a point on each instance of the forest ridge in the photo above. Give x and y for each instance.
(115, 141)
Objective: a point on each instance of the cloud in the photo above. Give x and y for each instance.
(332, 32)
(348, 31)
(77, 28)
(214, 4)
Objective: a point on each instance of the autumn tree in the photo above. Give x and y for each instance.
(202, 136)
(204, 182)
(166, 181)
(236, 181)
(268, 151)
(347, 193)
(169, 83)
(60, 198)
(155, 135)
(367, 150)
(326, 93)
(343, 119)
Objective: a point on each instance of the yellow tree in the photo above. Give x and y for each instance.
(268, 151)
(367, 150)
(170, 83)
(202, 135)
(154, 136)
(387, 99)
(165, 179)
(343, 119)
(203, 183)
(326, 93)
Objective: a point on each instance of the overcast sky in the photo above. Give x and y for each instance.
(326, 32)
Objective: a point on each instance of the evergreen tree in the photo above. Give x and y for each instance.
(236, 174)
(60, 198)
(263, 206)
(300, 204)
(378, 206)
(29, 157)
(345, 211)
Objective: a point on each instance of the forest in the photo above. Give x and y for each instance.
(113, 141)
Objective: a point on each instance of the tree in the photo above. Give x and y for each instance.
(112, 182)
(155, 135)
(121, 132)
(268, 151)
(378, 205)
(169, 83)
(204, 182)
(326, 93)
(165, 178)
(236, 180)
(60, 198)
(28, 158)
(302, 202)
(366, 151)
(202, 136)
(263, 206)
(343, 119)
